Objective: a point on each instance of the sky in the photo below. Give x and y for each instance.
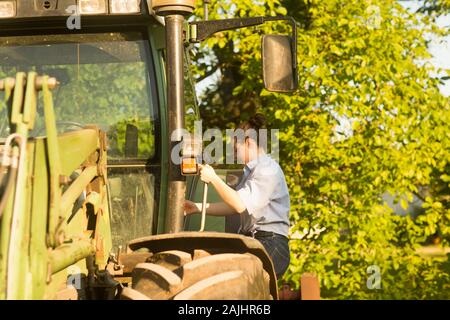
(439, 49)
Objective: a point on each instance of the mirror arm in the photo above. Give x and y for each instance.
(201, 30)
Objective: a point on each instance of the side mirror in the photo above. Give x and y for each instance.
(279, 69)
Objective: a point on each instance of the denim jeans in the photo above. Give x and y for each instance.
(277, 247)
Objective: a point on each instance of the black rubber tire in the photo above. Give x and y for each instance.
(202, 276)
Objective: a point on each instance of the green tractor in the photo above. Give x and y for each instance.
(91, 203)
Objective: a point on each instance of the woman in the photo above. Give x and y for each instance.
(261, 197)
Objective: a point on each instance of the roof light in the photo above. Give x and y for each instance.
(125, 6)
(92, 6)
(7, 9)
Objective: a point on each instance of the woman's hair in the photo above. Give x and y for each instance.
(256, 122)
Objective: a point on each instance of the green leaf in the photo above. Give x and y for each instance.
(335, 50)
(404, 204)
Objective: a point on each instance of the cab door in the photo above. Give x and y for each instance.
(194, 188)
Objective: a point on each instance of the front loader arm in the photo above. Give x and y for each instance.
(55, 227)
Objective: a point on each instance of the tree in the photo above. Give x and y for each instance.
(437, 7)
(368, 118)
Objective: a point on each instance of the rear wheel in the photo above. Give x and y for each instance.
(179, 275)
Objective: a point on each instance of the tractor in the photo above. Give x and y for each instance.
(91, 201)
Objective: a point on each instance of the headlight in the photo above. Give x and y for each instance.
(125, 6)
(7, 9)
(92, 6)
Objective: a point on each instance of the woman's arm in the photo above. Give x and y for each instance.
(212, 209)
(229, 196)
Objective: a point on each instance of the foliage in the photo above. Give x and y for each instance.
(368, 118)
(435, 7)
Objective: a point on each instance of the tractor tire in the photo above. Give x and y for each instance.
(179, 275)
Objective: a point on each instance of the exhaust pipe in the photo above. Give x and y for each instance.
(174, 12)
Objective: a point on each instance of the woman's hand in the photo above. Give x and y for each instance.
(190, 207)
(207, 173)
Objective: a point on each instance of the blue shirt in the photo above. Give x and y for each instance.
(264, 192)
